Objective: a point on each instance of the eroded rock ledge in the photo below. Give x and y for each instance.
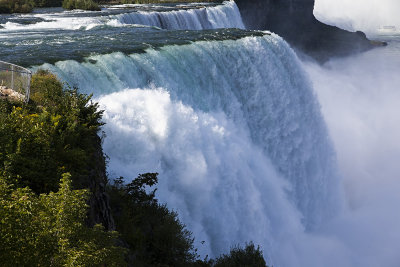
(294, 21)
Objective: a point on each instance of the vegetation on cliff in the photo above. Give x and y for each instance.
(54, 134)
(54, 208)
(49, 229)
(52, 137)
(153, 233)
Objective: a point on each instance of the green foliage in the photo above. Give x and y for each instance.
(54, 133)
(80, 4)
(49, 230)
(46, 89)
(48, 3)
(249, 256)
(154, 234)
(16, 6)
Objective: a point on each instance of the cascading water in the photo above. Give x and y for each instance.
(225, 15)
(232, 127)
(221, 16)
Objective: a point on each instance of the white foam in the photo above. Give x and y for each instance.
(221, 16)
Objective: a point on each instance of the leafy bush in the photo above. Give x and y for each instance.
(153, 233)
(80, 4)
(16, 6)
(249, 256)
(49, 230)
(48, 3)
(55, 133)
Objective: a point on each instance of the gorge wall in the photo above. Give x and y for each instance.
(294, 21)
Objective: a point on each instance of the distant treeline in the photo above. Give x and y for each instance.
(152, 1)
(26, 6)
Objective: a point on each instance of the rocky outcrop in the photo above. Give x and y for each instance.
(295, 22)
(99, 206)
(7, 93)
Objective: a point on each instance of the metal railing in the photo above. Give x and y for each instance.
(16, 78)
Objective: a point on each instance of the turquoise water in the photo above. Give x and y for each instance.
(51, 35)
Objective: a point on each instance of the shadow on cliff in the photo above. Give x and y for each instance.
(295, 22)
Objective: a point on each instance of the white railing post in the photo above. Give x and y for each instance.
(28, 88)
(12, 77)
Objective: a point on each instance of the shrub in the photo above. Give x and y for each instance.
(249, 256)
(56, 132)
(153, 233)
(80, 4)
(49, 230)
(48, 3)
(16, 6)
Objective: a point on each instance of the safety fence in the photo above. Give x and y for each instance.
(15, 81)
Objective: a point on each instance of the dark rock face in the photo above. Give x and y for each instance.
(99, 206)
(295, 22)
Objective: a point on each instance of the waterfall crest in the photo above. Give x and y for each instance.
(221, 16)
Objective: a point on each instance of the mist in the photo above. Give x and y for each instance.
(360, 98)
(364, 15)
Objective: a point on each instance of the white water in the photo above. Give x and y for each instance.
(235, 132)
(225, 15)
(56, 21)
(222, 16)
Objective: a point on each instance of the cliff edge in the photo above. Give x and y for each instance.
(295, 22)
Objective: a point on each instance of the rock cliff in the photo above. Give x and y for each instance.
(99, 208)
(294, 21)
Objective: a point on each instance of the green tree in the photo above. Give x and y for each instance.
(249, 256)
(56, 132)
(16, 6)
(80, 4)
(153, 233)
(48, 3)
(49, 230)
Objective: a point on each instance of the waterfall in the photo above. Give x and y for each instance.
(221, 16)
(233, 128)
